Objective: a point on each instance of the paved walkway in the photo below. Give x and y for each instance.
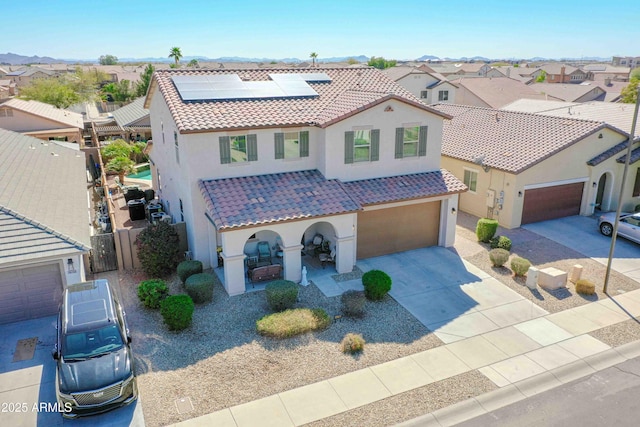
(522, 359)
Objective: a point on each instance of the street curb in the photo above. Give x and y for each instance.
(505, 396)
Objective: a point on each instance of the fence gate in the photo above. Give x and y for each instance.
(103, 253)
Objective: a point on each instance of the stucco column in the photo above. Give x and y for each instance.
(292, 260)
(448, 220)
(234, 274)
(345, 250)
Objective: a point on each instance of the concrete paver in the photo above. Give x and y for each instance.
(515, 312)
(552, 356)
(494, 376)
(359, 388)
(517, 368)
(401, 375)
(584, 345)
(599, 314)
(270, 411)
(543, 331)
(572, 322)
(311, 402)
(477, 352)
(511, 341)
(489, 293)
(465, 326)
(440, 363)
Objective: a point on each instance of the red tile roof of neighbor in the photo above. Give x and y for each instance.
(507, 140)
(350, 91)
(234, 203)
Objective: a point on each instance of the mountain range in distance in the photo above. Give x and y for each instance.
(16, 59)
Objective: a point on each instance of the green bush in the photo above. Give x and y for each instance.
(502, 242)
(293, 322)
(152, 292)
(585, 287)
(177, 311)
(520, 266)
(376, 284)
(158, 249)
(498, 256)
(352, 343)
(188, 268)
(281, 294)
(637, 208)
(353, 303)
(200, 287)
(485, 229)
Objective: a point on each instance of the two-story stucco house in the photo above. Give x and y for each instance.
(244, 156)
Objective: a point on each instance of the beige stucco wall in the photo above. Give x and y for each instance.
(23, 122)
(464, 96)
(417, 83)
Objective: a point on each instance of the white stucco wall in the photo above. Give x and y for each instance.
(416, 83)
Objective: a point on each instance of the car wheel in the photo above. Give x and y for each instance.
(606, 229)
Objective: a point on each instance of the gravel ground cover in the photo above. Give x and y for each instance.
(618, 334)
(414, 403)
(220, 361)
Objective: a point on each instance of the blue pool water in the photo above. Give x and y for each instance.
(145, 174)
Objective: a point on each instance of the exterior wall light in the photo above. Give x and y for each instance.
(70, 267)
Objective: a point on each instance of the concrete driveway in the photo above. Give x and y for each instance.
(27, 384)
(581, 234)
(451, 297)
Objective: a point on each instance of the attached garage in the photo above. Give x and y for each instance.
(30, 292)
(541, 204)
(383, 231)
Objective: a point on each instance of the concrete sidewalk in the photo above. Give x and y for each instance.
(521, 359)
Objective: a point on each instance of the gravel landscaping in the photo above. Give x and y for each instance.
(220, 361)
(619, 333)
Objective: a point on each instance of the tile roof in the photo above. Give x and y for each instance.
(350, 91)
(556, 68)
(498, 91)
(404, 187)
(43, 185)
(66, 117)
(29, 71)
(565, 91)
(131, 113)
(263, 199)
(609, 153)
(635, 156)
(509, 141)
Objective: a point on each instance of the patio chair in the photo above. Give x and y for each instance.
(316, 244)
(264, 252)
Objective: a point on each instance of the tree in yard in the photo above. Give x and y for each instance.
(193, 64)
(313, 57)
(145, 79)
(120, 165)
(117, 148)
(542, 77)
(119, 92)
(108, 60)
(158, 249)
(381, 63)
(352, 61)
(176, 54)
(50, 91)
(629, 94)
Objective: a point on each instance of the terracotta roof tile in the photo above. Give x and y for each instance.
(350, 90)
(262, 199)
(509, 141)
(404, 187)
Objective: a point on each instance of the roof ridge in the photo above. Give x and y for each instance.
(44, 228)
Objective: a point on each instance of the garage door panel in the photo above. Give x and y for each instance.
(402, 228)
(558, 201)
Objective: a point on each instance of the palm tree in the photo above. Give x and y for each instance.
(313, 57)
(176, 54)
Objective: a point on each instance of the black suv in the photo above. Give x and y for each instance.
(94, 362)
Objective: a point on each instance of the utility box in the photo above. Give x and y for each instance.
(491, 198)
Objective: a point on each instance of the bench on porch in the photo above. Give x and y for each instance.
(266, 272)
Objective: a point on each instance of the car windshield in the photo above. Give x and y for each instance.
(95, 343)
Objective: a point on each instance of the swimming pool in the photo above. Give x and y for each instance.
(145, 174)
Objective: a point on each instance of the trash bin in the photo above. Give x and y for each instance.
(136, 210)
(149, 194)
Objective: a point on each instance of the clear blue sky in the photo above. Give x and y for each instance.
(400, 29)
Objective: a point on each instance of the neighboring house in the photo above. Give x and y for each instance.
(130, 122)
(626, 61)
(24, 76)
(244, 156)
(523, 74)
(561, 73)
(492, 93)
(41, 120)
(44, 225)
(603, 72)
(455, 70)
(571, 92)
(3, 73)
(523, 167)
(429, 87)
(7, 89)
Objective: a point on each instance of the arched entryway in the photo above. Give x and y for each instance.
(603, 192)
(263, 251)
(320, 246)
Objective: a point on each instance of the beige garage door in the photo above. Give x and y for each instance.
(30, 292)
(385, 231)
(541, 204)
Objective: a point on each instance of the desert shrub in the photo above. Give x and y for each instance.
(352, 343)
(152, 292)
(281, 294)
(293, 322)
(485, 229)
(200, 287)
(353, 303)
(158, 249)
(188, 268)
(376, 284)
(585, 287)
(498, 256)
(520, 266)
(177, 311)
(501, 242)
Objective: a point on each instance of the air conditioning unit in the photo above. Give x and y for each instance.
(166, 218)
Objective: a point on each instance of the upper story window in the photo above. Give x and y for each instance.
(424, 94)
(6, 112)
(175, 143)
(411, 141)
(291, 145)
(238, 148)
(361, 145)
(443, 95)
(471, 179)
(577, 77)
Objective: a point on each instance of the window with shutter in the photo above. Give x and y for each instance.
(225, 152)
(304, 143)
(375, 145)
(422, 142)
(279, 145)
(399, 139)
(252, 147)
